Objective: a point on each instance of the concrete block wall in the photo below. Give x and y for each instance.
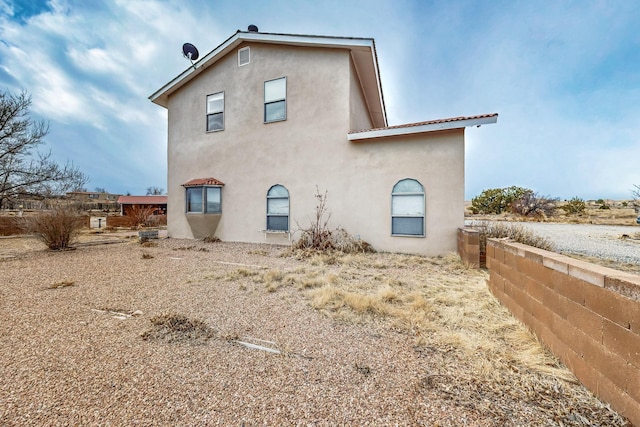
(469, 247)
(587, 315)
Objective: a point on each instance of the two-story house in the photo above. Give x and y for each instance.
(258, 123)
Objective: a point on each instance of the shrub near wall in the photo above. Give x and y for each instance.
(587, 315)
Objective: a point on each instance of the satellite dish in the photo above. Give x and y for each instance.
(190, 52)
(252, 29)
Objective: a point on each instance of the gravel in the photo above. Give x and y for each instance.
(599, 241)
(72, 350)
(78, 344)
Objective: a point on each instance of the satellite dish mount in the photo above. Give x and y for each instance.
(190, 52)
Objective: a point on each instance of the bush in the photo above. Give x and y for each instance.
(319, 237)
(515, 232)
(142, 216)
(574, 206)
(532, 204)
(496, 200)
(57, 228)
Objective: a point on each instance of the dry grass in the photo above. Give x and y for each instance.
(515, 232)
(172, 327)
(484, 359)
(62, 284)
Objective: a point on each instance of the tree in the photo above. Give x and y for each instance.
(635, 192)
(25, 172)
(532, 204)
(100, 190)
(154, 191)
(496, 200)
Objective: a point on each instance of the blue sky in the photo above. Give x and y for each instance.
(563, 75)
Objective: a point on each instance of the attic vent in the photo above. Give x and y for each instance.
(244, 56)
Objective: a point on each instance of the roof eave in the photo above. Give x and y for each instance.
(433, 127)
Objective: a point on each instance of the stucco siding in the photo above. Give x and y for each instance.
(310, 148)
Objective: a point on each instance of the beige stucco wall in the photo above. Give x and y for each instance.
(310, 148)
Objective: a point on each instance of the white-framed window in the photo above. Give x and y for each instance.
(205, 199)
(407, 208)
(278, 208)
(244, 56)
(215, 112)
(275, 100)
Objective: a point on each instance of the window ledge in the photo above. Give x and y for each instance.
(267, 232)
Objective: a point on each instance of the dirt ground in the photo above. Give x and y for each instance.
(184, 332)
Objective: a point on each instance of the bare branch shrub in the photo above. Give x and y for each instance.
(57, 229)
(532, 204)
(141, 216)
(319, 237)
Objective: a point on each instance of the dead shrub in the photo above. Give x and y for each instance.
(172, 327)
(57, 229)
(211, 239)
(62, 284)
(515, 232)
(141, 216)
(318, 237)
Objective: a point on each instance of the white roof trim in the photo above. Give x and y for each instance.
(432, 127)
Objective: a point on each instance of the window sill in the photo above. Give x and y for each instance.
(408, 235)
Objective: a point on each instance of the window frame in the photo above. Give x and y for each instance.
(399, 194)
(203, 194)
(275, 101)
(221, 112)
(269, 215)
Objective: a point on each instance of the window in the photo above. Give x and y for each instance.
(244, 56)
(407, 208)
(275, 100)
(215, 112)
(278, 208)
(204, 200)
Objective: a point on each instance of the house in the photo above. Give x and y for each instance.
(92, 196)
(263, 121)
(156, 204)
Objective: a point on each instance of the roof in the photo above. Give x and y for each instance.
(363, 53)
(424, 127)
(202, 181)
(142, 200)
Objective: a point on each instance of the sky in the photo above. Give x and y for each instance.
(564, 77)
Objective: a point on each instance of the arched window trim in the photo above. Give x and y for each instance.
(402, 223)
(274, 217)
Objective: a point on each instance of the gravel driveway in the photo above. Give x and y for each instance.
(600, 241)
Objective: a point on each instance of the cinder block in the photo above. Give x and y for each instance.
(586, 320)
(615, 307)
(619, 400)
(542, 274)
(590, 273)
(542, 314)
(609, 364)
(570, 287)
(633, 383)
(622, 342)
(625, 284)
(556, 262)
(534, 288)
(554, 302)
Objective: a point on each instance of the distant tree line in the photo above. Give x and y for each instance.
(24, 171)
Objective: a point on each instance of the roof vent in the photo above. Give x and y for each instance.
(252, 29)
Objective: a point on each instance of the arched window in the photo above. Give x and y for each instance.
(407, 208)
(278, 208)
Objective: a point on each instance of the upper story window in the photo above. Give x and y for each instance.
(244, 56)
(215, 112)
(407, 208)
(275, 100)
(204, 199)
(278, 208)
